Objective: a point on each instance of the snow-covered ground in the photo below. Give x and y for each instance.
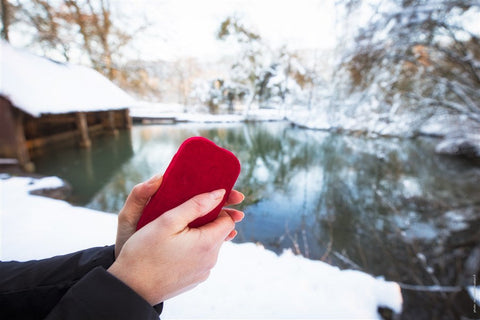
(248, 282)
(157, 111)
(474, 294)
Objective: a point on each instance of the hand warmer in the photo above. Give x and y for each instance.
(199, 166)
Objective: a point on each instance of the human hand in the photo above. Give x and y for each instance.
(137, 200)
(166, 257)
(132, 210)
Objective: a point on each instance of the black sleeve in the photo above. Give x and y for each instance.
(99, 295)
(30, 290)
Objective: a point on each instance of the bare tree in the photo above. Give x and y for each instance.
(185, 71)
(6, 18)
(83, 28)
(46, 23)
(82, 24)
(101, 37)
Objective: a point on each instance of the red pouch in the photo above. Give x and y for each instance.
(199, 166)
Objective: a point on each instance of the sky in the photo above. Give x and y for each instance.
(187, 27)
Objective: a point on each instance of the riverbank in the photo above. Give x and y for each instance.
(160, 113)
(265, 285)
(457, 135)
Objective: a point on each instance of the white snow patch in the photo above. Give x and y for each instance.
(174, 111)
(208, 118)
(462, 144)
(248, 282)
(34, 227)
(45, 183)
(145, 109)
(474, 294)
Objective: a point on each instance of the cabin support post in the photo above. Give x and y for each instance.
(109, 124)
(82, 126)
(127, 124)
(13, 146)
(22, 151)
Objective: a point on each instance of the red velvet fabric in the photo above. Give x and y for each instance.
(198, 166)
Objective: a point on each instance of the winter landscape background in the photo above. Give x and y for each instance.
(357, 124)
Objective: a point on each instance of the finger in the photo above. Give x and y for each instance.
(236, 215)
(231, 235)
(138, 198)
(235, 197)
(220, 228)
(192, 209)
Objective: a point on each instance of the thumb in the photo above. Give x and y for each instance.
(192, 209)
(138, 198)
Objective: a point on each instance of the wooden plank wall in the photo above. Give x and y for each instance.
(12, 136)
(22, 135)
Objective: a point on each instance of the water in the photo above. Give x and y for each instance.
(390, 207)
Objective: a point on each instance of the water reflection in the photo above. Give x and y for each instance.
(389, 207)
(88, 170)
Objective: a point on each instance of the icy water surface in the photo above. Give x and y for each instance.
(390, 207)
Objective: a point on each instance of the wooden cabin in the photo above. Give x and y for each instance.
(43, 103)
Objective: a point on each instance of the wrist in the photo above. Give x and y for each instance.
(133, 282)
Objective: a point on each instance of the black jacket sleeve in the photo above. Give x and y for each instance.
(88, 300)
(73, 286)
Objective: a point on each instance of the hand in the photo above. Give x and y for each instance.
(132, 210)
(166, 257)
(138, 198)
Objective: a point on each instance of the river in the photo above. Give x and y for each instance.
(390, 207)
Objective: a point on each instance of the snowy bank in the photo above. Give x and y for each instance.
(173, 112)
(474, 294)
(34, 227)
(467, 145)
(248, 281)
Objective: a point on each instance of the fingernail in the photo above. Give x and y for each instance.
(242, 216)
(155, 178)
(232, 235)
(217, 194)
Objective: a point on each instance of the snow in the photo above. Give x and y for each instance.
(34, 227)
(40, 86)
(474, 294)
(248, 282)
(256, 283)
(462, 144)
(45, 183)
(145, 109)
(174, 112)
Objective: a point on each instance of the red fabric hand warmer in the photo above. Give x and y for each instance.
(199, 166)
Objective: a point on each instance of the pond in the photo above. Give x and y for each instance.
(389, 207)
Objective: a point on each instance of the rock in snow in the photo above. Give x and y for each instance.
(466, 145)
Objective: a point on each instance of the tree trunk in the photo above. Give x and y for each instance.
(5, 6)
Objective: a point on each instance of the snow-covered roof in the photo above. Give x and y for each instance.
(38, 85)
